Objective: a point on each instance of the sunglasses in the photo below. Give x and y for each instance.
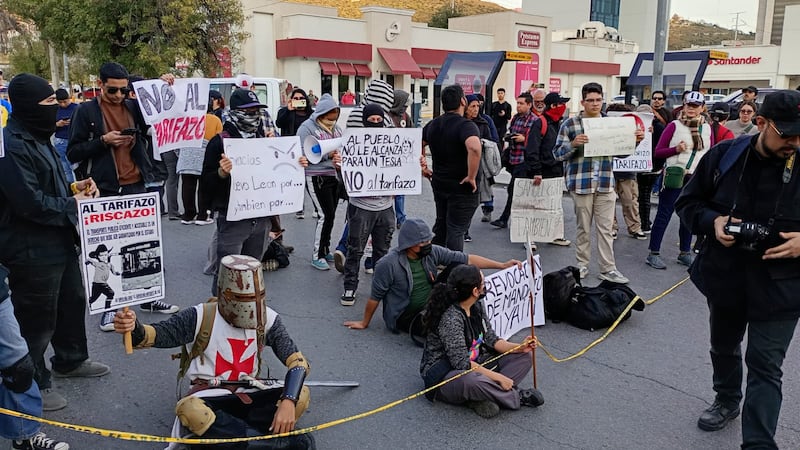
(746, 111)
(298, 98)
(661, 99)
(780, 133)
(694, 105)
(113, 90)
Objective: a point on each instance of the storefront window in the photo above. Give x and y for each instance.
(361, 85)
(389, 79)
(327, 84)
(344, 85)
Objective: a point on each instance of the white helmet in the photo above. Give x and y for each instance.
(241, 296)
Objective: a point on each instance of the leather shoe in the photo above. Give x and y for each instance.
(717, 416)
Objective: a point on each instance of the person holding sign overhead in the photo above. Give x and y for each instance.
(590, 180)
(683, 143)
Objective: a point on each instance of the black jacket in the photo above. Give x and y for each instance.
(539, 151)
(737, 277)
(216, 188)
(38, 215)
(3, 284)
(95, 158)
(290, 121)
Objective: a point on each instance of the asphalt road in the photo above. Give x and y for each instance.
(642, 388)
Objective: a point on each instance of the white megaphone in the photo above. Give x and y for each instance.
(315, 150)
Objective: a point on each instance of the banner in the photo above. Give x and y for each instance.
(508, 299)
(536, 212)
(121, 250)
(642, 159)
(266, 179)
(177, 113)
(382, 161)
(609, 136)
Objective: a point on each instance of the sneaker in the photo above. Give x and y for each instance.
(270, 265)
(369, 270)
(299, 215)
(87, 369)
(187, 222)
(40, 441)
(348, 298)
(583, 270)
(487, 216)
(107, 321)
(160, 307)
(315, 214)
(655, 262)
(717, 416)
(614, 276)
(484, 408)
(202, 222)
(321, 264)
(174, 217)
(686, 259)
(639, 235)
(338, 260)
(52, 400)
(499, 223)
(467, 238)
(329, 258)
(531, 397)
(561, 242)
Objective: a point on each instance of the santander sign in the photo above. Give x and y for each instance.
(734, 61)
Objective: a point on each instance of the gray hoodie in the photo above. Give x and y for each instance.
(313, 128)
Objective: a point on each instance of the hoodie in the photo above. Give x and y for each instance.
(398, 110)
(314, 129)
(379, 92)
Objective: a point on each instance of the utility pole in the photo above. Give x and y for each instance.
(51, 53)
(66, 73)
(660, 48)
(736, 24)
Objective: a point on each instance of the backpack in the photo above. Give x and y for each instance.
(201, 341)
(557, 290)
(490, 157)
(275, 250)
(598, 307)
(731, 155)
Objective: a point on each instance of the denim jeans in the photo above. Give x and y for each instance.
(61, 148)
(50, 306)
(400, 209)
(666, 207)
(453, 215)
(242, 237)
(362, 224)
(170, 159)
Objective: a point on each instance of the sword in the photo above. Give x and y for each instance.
(273, 383)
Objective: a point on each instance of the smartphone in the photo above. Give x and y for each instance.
(299, 103)
(129, 131)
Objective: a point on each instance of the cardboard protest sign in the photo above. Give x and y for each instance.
(121, 250)
(266, 178)
(177, 113)
(609, 136)
(508, 299)
(642, 159)
(382, 161)
(536, 212)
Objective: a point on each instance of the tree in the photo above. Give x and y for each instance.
(440, 17)
(149, 37)
(28, 54)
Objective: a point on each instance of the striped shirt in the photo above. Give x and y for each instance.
(583, 175)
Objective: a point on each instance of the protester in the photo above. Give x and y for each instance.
(216, 104)
(38, 237)
(627, 190)
(750, 279)
(313, 99)
(590, 181)
(744, 123)
(719, 113)
(65, 110)
(484, 184)
(196, 201)
(404, 277)
(324, 176)
(297, 110)
(348, 99)
(519, 161)
(18, 392)
(749, 94)
(501, 113)
(684, 143)
(537, 102)
(400, 119)
(242, 324)
(455, 147)
(647, 180)
(460, 337)
(117, 162)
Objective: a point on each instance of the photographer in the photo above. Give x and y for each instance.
(745, 198)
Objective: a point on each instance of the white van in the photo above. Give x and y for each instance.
(270, 91)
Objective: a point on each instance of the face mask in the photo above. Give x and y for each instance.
(368, 124)
(327, 123)
(39, 120)
(245, 122)
(556, 113)
(424, 250)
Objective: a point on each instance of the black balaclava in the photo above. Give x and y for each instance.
(372, 109)
(25, 91)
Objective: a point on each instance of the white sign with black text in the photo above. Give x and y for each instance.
(176, 112)
(536, 212)
(508, 298)
(609, 136)
(382, 161)
(642, 159)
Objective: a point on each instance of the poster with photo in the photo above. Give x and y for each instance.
(121, 251)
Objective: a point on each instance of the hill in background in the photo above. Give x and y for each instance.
(425, 9)
(685, 33)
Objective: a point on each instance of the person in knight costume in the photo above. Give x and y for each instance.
(226, 399)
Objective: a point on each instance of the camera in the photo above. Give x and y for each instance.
(298, 103)
(747, 234)
(510, 138)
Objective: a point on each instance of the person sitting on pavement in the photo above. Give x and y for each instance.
(405, 276)
(225, 399)
(460, 337)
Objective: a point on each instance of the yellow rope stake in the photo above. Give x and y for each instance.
(124, 435)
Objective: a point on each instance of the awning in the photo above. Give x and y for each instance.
(400, 61)
(428, 73)
(436, 71)
(328, 68)
(346, 69)
(362, 70)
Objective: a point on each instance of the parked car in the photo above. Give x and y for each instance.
(620, 99)
(736, 96)
(714, 98)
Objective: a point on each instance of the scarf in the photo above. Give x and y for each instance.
(694, 125)
(247, 124)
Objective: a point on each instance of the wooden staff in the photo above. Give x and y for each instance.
(531, 248)
(127, 340)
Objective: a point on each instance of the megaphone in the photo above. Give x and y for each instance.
(315, 150)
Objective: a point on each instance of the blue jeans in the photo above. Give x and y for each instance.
(400, 209)
(666, 207)
(61, 148)
(12, 349)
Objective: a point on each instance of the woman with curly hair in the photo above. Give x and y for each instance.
(460, 337)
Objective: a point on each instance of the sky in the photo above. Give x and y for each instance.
(713, 11)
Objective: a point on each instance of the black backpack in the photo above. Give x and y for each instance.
(275, 250)
(557, 292)
(598, 307)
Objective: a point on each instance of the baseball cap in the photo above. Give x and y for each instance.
(783, 108)
(694, 97)
(214, 94)
(472, 98)
(554, 97)
(720, 108)
(245, 98)
(752, 89)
